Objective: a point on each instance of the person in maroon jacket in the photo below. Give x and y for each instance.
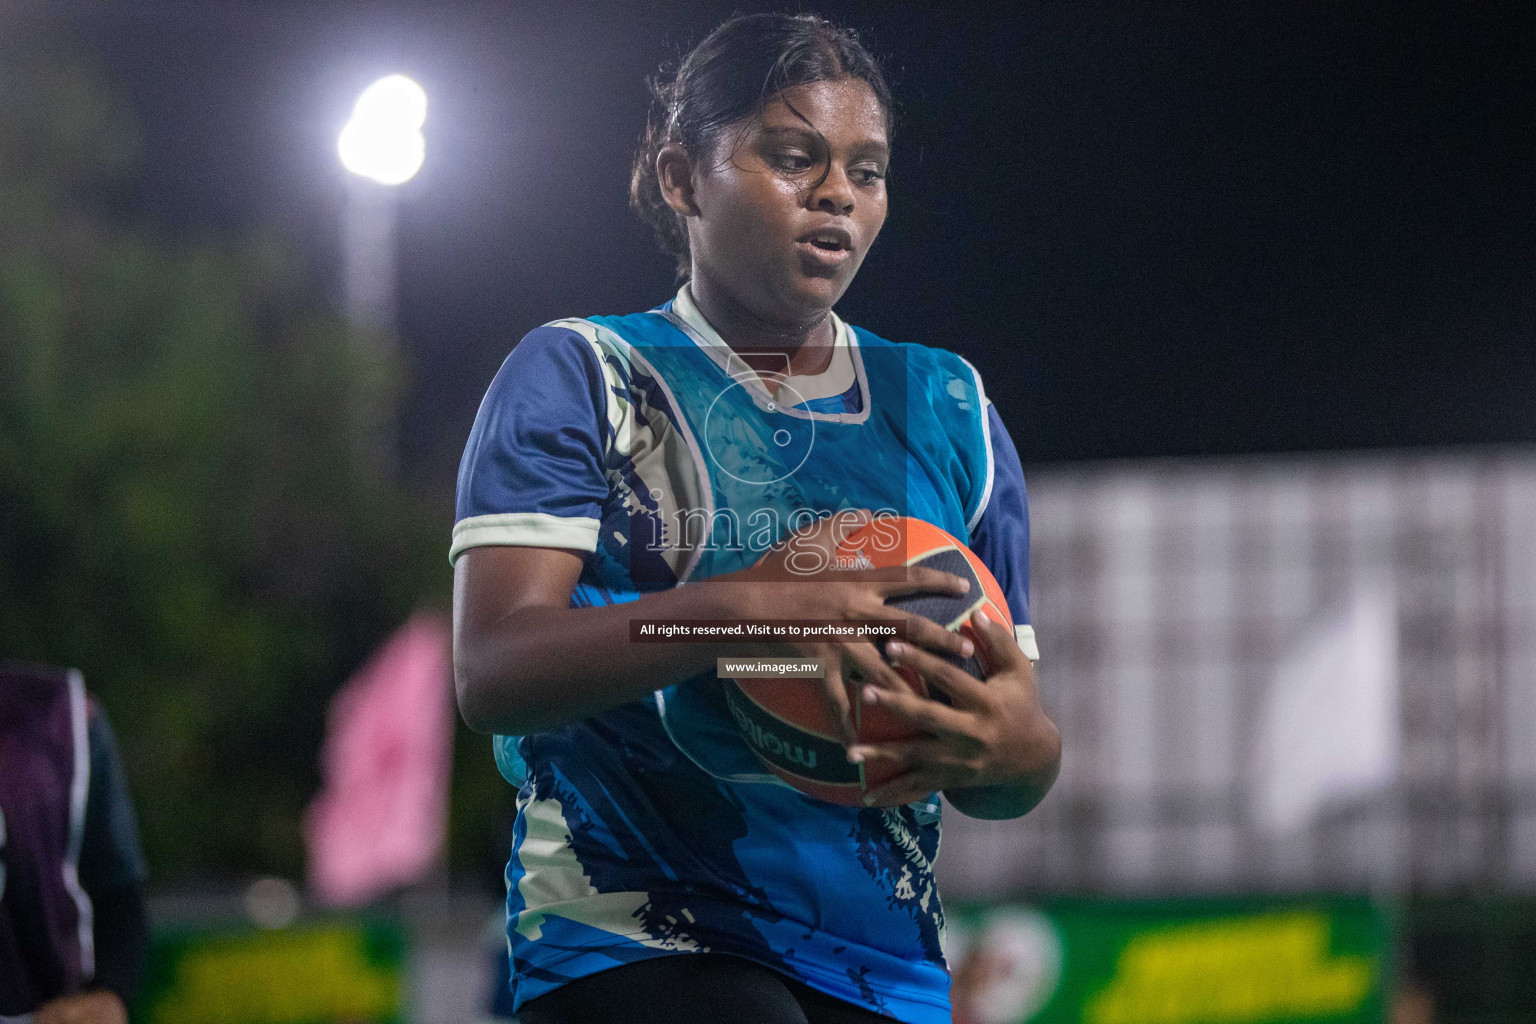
(73, 931)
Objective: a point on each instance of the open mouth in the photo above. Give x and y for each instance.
(829, 240)
(825, 250)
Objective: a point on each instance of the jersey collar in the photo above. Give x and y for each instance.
(837, 378)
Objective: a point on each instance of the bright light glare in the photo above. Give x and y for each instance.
(393, 99)
(387, 155)
(383, 140)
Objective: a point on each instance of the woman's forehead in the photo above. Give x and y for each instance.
(847, 107)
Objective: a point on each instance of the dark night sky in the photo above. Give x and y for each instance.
(1156, 228)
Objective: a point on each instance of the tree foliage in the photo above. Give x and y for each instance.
(184, 514)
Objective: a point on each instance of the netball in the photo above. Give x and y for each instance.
(785, 721)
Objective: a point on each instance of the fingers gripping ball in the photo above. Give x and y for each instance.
(786, 721)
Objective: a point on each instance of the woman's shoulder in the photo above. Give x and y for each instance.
(559, 358)
(566, 331)
(588, 341)
(606, 331)
(592, 353)
(563, 343)
(919, 356)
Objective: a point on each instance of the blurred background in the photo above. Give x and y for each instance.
(1253, 287)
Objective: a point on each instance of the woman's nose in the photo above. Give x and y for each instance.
(834, 194)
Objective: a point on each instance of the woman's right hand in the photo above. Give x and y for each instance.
(799, 579)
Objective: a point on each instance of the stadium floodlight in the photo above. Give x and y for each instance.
(381, 145)
(383, 140)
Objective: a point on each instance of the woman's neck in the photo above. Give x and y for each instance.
(777, 348)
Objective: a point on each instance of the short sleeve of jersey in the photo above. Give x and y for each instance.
(110, 854)
(1001, 537)
(532, 472)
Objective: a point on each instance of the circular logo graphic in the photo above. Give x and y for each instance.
(757, 442)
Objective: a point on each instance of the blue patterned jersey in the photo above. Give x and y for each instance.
(651, 829)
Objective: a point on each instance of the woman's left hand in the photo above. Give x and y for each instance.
(994, 738)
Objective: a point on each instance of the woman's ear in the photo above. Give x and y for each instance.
(674, 172)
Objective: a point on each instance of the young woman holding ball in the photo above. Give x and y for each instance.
(650, 467)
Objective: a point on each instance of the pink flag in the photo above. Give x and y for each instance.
(380, 818)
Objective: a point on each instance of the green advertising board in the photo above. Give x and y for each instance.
(321, 973)
(1313, 960)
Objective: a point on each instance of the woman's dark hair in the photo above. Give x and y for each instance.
(731, 75)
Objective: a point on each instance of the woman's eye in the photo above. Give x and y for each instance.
(792, 161)
(867, 175)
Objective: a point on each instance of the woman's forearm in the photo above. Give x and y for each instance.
(1019, 797)
(1003, 801)
(540, 667)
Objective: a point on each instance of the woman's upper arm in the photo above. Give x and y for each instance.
(530, 498)
(490, 583)
(490, 586)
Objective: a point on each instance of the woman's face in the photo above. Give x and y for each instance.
(781, 215)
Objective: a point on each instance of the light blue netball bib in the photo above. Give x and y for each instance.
(914, 444)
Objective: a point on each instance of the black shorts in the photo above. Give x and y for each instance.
(696, 988)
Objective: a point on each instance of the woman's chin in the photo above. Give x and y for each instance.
(820, 292)
(789, 297)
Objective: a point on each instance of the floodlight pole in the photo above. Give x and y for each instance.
(382, 147)
(370, 270)
(370, 257)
